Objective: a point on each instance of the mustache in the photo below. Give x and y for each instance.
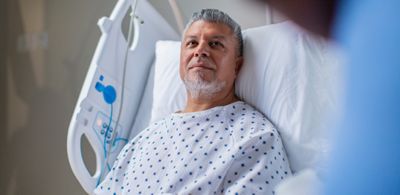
(201, 62)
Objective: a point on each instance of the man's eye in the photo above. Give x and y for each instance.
(191, 43)
(215, 44)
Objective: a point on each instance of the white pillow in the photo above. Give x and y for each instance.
(169, 93)
(286, 74)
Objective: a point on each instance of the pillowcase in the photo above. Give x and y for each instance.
(287, 75)
(169, 93)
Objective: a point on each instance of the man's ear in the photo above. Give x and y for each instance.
(239, 63)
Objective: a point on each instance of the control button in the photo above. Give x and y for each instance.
(99, 122)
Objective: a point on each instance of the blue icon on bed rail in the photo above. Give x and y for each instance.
(109, 93)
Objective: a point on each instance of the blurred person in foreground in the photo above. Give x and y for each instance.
(365, 156)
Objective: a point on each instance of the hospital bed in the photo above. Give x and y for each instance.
(133, 80)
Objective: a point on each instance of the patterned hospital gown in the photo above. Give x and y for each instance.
(230, 149)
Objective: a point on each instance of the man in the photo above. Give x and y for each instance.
(216, 144)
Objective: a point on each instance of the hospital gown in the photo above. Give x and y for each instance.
(230, 149)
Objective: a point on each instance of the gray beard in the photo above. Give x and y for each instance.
(198, 87)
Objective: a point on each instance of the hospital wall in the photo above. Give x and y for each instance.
(3, 86)
(45, 52)
(248, 13)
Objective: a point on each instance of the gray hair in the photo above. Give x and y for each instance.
(217, 16)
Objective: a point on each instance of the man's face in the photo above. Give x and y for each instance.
(209, 56)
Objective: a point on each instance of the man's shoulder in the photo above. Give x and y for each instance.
(247, 123)
(249, 118)
(244, 109)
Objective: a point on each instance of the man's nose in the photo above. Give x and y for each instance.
(202, 50)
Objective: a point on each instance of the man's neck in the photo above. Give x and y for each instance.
(200, 104)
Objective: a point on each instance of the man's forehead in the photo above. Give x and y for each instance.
(212, 29)
(216, 36)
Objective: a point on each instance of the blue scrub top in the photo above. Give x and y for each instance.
(366, 157)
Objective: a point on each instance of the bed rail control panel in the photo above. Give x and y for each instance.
(106, 132)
